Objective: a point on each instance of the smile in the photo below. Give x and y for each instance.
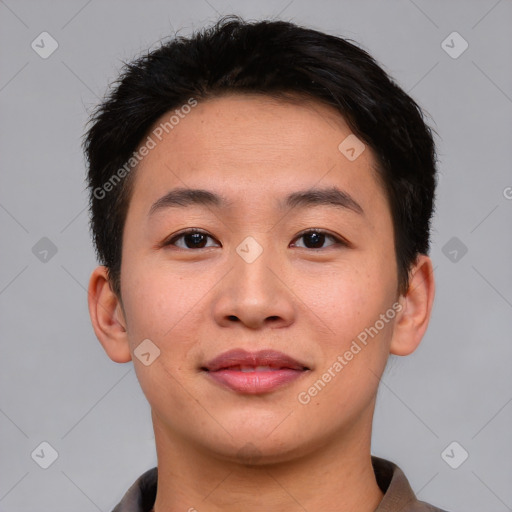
(256, 372)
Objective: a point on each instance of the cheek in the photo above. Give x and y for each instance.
(355, 352)
(345, 297)
(348, 305)
(165, 309)
(155, 301)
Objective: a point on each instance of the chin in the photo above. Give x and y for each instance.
(251, 448)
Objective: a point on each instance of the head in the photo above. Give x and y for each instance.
(278, 124)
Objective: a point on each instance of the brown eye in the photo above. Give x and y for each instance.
(191, 239)
(315, 239)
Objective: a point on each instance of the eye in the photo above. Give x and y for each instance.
(197, 239)
(192, 239)
(315, 238)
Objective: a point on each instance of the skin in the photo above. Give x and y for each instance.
(218, 449)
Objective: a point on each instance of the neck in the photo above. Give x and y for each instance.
(336, 476)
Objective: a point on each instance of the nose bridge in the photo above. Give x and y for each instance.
(252, 266)
(254, 292)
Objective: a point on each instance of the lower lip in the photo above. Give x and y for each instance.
(254, 383)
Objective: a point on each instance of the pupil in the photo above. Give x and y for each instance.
(196, 239)
(316, 238)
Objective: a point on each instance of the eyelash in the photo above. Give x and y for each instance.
(337, 240)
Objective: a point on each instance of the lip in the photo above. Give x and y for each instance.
(283, 369)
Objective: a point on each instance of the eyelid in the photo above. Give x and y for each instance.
(338, 240)
(172, 239)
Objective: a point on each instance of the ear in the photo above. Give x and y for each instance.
(412, 320)
(107, 317)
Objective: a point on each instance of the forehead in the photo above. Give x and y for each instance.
(252, 146)
(237, 126)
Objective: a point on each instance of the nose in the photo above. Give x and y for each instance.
(255, 293)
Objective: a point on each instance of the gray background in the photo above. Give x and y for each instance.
(57, 384)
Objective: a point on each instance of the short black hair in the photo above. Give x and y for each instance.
(275, 58)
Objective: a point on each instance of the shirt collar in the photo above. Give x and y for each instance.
(398, 495)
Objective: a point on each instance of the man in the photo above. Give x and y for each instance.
(261, 197)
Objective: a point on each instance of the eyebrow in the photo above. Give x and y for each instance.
(332, 196)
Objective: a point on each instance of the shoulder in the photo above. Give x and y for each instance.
(140, 497)
(398, 494)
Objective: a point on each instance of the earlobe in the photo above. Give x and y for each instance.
(412, 322)
(107, 317)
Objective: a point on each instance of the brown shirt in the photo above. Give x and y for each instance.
(398, 495)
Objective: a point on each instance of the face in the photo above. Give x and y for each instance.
(269, 265)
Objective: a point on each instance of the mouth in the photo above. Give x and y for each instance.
(254, 372)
